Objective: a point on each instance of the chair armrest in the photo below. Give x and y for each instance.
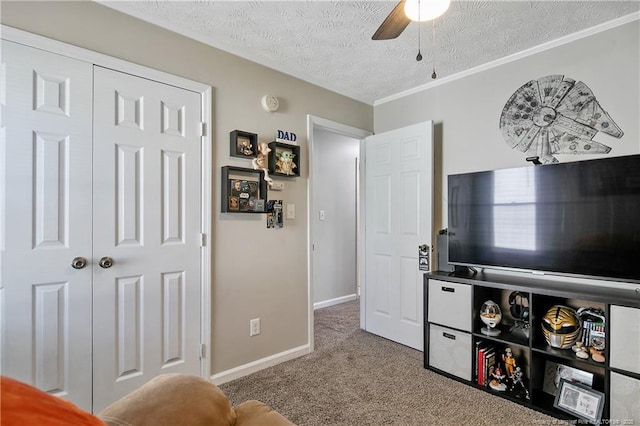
(172, 399)
(256, 413)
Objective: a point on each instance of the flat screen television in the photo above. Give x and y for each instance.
(578, 218)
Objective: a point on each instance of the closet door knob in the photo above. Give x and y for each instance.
(106, 262)
(78, 262)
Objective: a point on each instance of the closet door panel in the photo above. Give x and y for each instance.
(45, 221)
(147, 219)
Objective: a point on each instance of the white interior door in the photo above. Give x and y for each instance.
(147, 219)
(45, 221)
(398, 218)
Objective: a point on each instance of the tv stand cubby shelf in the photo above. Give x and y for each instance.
(607, 375)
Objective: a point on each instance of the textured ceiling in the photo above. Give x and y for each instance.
(328, 43)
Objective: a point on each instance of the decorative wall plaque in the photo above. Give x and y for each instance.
(555, 115)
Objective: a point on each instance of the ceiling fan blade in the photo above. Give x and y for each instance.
(393, 25)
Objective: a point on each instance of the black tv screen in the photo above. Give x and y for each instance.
(577, 218)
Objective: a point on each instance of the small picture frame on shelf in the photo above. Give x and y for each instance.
(243, 144)
(555, 372)
(580, 400)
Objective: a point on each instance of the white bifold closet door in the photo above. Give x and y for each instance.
(105, 166)
(46, 210)
(146, 199)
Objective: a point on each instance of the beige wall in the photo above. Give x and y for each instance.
(255, 272)
(466, 112)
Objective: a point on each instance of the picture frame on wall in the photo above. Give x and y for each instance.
(243, 190)
(243, 144)
(580, 400)
(245, 196)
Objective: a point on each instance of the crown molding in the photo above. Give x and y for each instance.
(514, 57)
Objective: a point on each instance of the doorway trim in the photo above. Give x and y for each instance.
(313, 123)
(205, 91)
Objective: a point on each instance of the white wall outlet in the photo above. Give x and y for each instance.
(291, 211)
(322, 215)
(254, 327)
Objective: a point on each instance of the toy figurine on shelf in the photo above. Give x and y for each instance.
(246, 147)
(517, 384)
(497, 383)
(509, 362)
(260, 162)
(284, 163)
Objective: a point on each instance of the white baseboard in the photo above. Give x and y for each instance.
(335, 301)
(261, 364)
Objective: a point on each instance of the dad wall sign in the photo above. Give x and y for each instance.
(287, 137)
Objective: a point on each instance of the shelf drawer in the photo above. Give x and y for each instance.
(450, 351)
(624, 326)
(450, 304)
(625, 399)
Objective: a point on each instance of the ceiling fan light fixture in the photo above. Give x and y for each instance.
(425, 10)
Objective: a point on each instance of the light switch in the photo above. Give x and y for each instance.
(291, 211)
(322, 215)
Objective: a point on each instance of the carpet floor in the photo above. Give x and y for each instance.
(357, 378)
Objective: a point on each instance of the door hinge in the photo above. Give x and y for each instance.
(203, 240)
(203, 351)
(203, 129)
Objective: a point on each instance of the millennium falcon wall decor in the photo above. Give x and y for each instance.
(555, 115)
